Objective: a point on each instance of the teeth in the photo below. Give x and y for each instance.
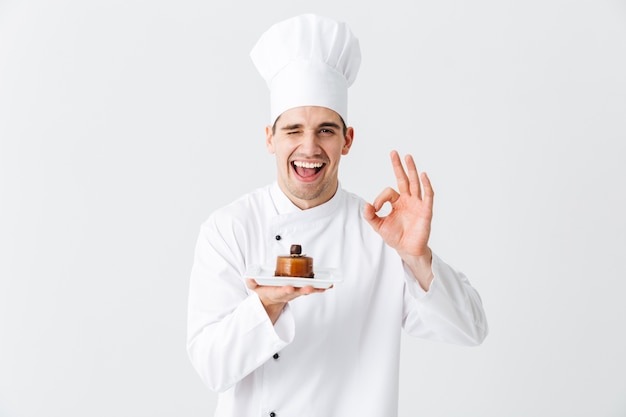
(308, 164)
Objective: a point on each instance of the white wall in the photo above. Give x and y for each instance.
(124, 123)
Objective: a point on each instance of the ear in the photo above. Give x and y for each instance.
(269, 139)
(348, 139)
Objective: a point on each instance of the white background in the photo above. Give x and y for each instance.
(123, 124)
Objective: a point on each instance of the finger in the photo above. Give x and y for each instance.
(288, 290)
(306, 290)
(387, 195)
(369, 214)
(283, 294)
(309, 289)
(398, 169)
(252, 284)
(414, 181)
(429, 193)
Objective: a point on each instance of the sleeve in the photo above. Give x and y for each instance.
(229, 334)
(450, 311)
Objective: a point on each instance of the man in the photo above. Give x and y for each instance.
(304, 351)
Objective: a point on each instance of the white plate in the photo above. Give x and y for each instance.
(264, 275)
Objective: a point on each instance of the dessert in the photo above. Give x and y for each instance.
(295, 264)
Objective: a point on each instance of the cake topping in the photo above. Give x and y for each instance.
(295, 250)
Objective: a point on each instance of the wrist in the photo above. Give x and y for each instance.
(421, 267)
(273, 309)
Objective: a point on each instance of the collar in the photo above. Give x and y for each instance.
(284, 205)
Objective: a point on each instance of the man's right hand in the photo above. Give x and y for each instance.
(274, 299)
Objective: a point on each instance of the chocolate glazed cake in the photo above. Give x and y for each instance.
(295, 264)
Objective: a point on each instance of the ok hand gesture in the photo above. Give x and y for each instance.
(407, 227)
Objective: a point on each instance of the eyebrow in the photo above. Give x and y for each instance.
(330, 124)
(300, 126)
(291, 127)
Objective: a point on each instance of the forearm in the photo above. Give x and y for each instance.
(224, 351)
(421, 268)
(273, 310)
(229, 333)
(451, 311)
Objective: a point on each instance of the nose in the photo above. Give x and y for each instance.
(310, 143)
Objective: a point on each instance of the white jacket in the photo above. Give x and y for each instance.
(330, 354)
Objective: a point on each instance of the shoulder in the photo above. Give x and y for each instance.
(353, 199)
(242, 210)
(352, 202)
(353, 206)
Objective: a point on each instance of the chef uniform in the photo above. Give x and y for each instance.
(330, 354)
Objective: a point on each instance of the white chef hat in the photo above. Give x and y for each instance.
(308, 60)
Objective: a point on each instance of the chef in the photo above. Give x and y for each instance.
(280, 350)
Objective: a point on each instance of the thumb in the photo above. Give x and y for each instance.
(369, 214)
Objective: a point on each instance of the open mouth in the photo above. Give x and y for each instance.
(307, 169)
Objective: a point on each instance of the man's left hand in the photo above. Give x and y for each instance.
(407, 227)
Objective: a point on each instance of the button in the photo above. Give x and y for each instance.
(276, 356)
(277, 237)
(272, 414)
